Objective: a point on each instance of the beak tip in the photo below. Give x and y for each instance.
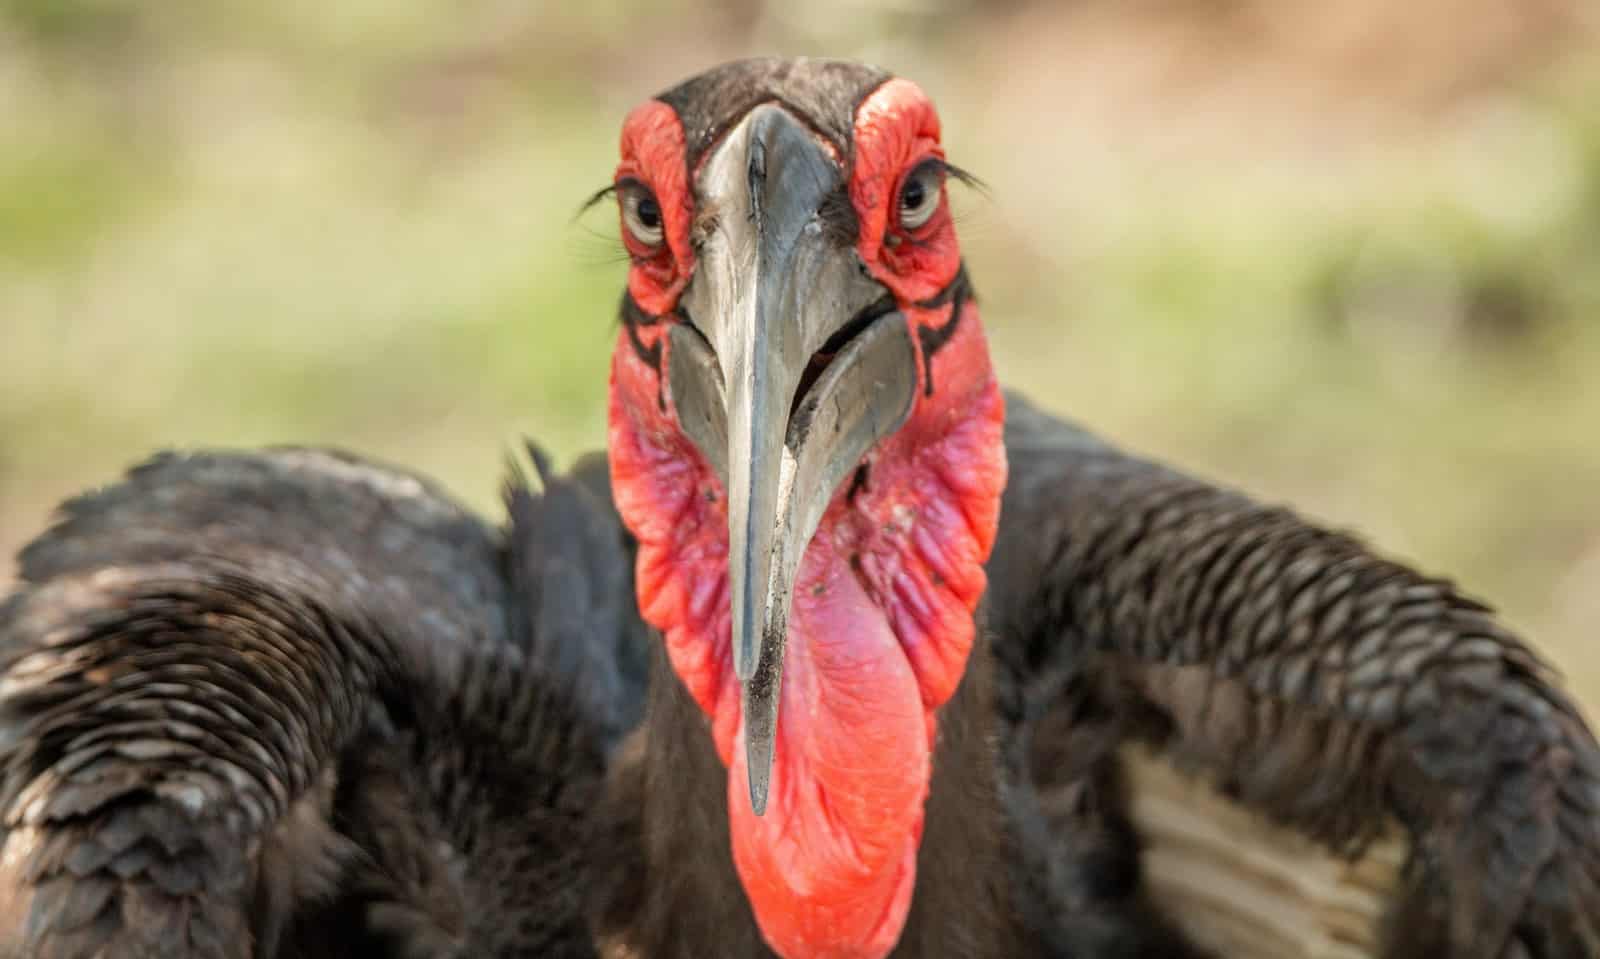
(760, 717)
(758, 796)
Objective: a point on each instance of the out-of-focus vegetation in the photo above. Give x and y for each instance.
(1342, 255)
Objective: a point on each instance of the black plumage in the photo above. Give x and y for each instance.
(1327, 687)
(825, 91)
(292, 704)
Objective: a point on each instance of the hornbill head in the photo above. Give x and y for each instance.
(805, 438)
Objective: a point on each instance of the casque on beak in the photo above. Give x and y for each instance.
(779, 304)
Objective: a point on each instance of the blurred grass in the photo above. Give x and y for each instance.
(239, 224)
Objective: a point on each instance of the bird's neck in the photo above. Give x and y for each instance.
(666, 884)
(879, 637)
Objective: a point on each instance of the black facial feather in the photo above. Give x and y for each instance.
(957, 292)
(633, 317)
(823, 93)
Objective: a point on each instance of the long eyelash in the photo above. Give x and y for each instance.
(598, 248)
(593, 248)
(969, 180)
(598, 196)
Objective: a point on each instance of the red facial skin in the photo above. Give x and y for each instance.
(882, 621)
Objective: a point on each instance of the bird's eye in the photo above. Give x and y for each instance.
(641, 214)
(919, 195)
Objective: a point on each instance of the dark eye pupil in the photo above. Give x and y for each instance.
(913, 194)
(648, 213)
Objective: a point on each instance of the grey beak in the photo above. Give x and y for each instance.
(778, 305)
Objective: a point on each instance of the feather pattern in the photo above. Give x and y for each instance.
(288, 703)
(1331, 689)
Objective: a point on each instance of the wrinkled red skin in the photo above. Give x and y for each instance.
(882, 621)
(652, 153)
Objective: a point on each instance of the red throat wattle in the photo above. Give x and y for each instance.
(882, 618)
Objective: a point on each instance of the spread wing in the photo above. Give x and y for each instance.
(1332, 693)
(293, 703)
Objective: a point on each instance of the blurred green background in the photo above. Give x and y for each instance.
(1342, 255)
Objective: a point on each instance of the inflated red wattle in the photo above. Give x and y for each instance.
(830, 867)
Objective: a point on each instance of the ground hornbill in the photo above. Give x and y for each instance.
(867, 691)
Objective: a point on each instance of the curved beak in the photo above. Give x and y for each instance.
(792, 364)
